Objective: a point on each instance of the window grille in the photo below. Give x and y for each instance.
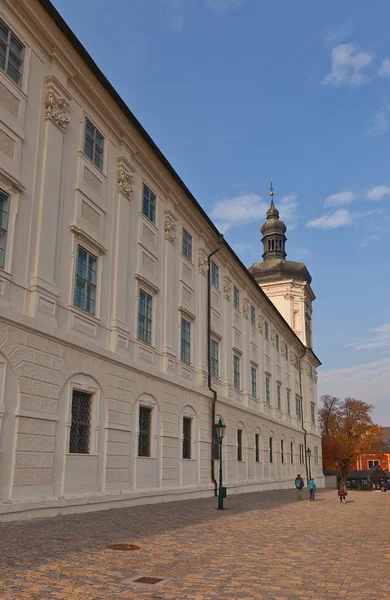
(81, 423)
(236, 296)
(236, 366)
(4, 210)
(239, 445)
(215, 275)
(185, 341)
(149, 204)
(145, 426)
(254, 382)
(93, 144)
(253, 316)
(86, 281)
(187, 245)
(271, 456)
(282, 450)
(11, 54)
(214, 359)
(187, 425)
(257, 447)
(145, 317)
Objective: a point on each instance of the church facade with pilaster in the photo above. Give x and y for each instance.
(104, 396)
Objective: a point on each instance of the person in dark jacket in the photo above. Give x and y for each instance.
(342, 490)
(299, 486)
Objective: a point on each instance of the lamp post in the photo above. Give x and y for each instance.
(308, 453)
(220, 429)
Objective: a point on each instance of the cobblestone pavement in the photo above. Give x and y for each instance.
(265, 546)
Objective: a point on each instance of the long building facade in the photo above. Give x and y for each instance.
(104, 389)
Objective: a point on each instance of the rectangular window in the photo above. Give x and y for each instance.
(215, 275)
(267, 390)
(86, 281)
(373, 463)
(4, 211)
(214, 359)
(313, 412)
(11, 54)
(187, 426)
(298, 401)
(239, 445)
(149, 204)
(271, 457)
(185, 341)
(145, 426)
(266, 331)
(93, 144)
(81, 423)
(145, 317)
(296, 362)
(286, 352)
(301, 452)
(288, 403)
(279, 395)
(236, 298)
(282, 450)
(254, 381)
(253, 316)
(292, 452)
(257, 447)
(187, 245)
(236, 366)
(277, 345)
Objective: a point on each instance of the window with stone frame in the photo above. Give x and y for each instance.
(93, 144)
(11, 54)
(313, 412)
(257, 447)
(187, 437)
(239, 445)
(288, 402)
(236, 371)
(236, 298)
(4, 214)
(298, 406)
(267, 390)
(80, 428)
(266, 331)
(187, 245)
(149, 204)
(292, 452)
(185, 342)
(145, 312)
(253, 316)
(254, 381)
(282, 450)
(279, 395)
(271, 454)
(277, 343)
(214, 275)
(86, 281)
(214, 359)
(145, 431)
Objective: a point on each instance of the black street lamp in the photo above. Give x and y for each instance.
(220, 429)
(308, 453)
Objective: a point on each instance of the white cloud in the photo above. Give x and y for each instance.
(239, 210)
(368, 240)
(172, 14)
(380, 123)
(378, 192)
(384, 70)
(340, 198)
(241, 248)
(222, 6)
(300, 253)
(369, 382)
(379, 338)
(338, 35)
(334, 220)
(348, 65)
(287, 207)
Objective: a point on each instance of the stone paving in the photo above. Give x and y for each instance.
(265, 546)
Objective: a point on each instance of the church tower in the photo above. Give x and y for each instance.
(286, 283)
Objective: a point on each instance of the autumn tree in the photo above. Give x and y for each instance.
(347, 433)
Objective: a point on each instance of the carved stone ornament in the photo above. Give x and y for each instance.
(315, 377)
(284, 348)
(289, 296)
(260, 324)
(125, 183)
(273, 337)
(57, 110)
(170, 229)
(227, 288)
(245, 308)
(292, 358)
(305, 367)
(202, 264)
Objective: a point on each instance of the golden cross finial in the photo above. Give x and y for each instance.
(271, 190)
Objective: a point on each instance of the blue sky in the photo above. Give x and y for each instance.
(236, 92)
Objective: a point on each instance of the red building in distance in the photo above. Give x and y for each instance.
(381, 458)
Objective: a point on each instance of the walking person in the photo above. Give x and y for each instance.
(312, 489)
(342, 490)
(299, 486)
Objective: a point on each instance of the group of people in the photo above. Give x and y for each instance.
(299, 484)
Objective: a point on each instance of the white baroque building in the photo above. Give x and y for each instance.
(104, 397)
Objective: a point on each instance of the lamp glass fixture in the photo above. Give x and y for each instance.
(220, 427)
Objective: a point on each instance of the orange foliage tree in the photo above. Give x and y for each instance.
(347, 432)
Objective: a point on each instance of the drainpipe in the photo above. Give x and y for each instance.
(304, 430)
(214, 392)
